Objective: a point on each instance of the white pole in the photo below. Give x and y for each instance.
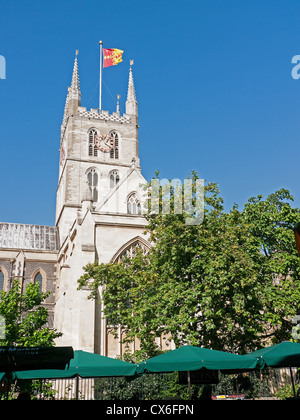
(100, 81)
(189, 384)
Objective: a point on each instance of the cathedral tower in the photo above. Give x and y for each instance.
(86, 156)
(98, 209)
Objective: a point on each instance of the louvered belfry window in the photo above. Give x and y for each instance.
(93, 151)
(114, 153)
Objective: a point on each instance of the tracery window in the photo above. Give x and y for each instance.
(93, 151)
(114, 178)
(129, 250)
(92, 177)
(134, 204)
(132, 250)
(114, 153)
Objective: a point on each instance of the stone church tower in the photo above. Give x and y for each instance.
(98, 210)
(98, 218)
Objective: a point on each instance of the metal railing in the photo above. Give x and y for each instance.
(265, 384)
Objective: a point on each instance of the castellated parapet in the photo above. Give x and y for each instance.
(103, 115)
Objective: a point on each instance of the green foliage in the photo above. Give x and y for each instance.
(147, 387)
(25, 325)
(286, 392)
(25, 317)
(228, 283)
(165, 386)
(252, 385)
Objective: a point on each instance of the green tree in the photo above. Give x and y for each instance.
(227, 283)
(25, 318)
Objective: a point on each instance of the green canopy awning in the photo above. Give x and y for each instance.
(189, 358)
(285, 354)
(85, 365)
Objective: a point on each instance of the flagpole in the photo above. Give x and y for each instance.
(100, 81)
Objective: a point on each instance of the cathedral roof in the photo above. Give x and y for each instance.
(35, 237)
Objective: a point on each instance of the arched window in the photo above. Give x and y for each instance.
(93, 151)
(92, 177)
(134, 204)
(130, 250)
(114, 153)
(38, 279)
(114, 178)
(1, 281)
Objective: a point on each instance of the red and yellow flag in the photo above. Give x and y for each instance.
(111, 56)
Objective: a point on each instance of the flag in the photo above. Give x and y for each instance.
(111, 56)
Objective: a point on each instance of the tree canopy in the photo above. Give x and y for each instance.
(25, 319)
(228, 283)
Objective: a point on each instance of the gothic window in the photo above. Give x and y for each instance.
(134, 204)
(114, 178)
(131, 250)
(92, 147)
(1, 281)
(92, 177)
(38, 279)
(114, 153)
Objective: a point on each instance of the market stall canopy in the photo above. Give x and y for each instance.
(189, 358)
(28, 358)
(285, 354)
(85, 365)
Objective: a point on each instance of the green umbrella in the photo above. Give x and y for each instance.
(85, 365)
(285, 354)
(189, 358)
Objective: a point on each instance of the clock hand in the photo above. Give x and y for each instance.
(108, 141)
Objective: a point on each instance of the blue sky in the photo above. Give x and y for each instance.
(213, 82)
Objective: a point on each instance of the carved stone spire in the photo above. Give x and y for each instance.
(131, 103)
(74, 95)
(75, 85)
(73, 100)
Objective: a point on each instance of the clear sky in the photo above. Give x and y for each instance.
(213, 83)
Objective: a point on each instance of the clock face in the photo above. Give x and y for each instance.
(105, 142)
